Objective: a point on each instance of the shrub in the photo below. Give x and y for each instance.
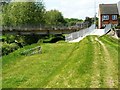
(117, 27)
(9, 38)
(8, 48)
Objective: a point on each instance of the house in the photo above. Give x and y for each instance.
(82, 24)
(108, 14)
(79, 24)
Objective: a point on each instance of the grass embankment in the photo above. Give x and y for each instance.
(91, 63)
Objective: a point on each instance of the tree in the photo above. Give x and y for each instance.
(54, 18)
(23, 13)
(72, 21)
(5, 16)
(89, 21)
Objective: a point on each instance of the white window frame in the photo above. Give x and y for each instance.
(114, 17)
(105, 17)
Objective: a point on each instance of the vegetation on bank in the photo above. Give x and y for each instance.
(11, 43)
(72, 21)
(91, 63)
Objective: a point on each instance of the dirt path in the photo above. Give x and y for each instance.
(108, 66)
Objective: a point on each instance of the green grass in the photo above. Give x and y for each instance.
(87, 64)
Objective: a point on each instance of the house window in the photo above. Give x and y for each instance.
(114, 17)
(105, 17)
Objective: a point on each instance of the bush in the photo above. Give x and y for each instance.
(9, 38)
(117, 27)
(8, 48)
(14, 46)
(5, 48)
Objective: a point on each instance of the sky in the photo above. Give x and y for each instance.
(77, 8)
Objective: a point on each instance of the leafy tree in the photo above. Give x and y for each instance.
(72, 21)
(23, 13)
(89, 20)
(96, 22)
(54, 18)
(5, 16)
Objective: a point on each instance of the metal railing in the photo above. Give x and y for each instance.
(81, 33)
(107, 28)
(85, 32)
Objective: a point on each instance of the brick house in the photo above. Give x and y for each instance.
(108, 14)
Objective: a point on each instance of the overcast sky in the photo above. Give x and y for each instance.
(76, 8)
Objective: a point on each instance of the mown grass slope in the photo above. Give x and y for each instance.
(91, 63)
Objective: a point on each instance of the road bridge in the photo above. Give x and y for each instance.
(42, 31)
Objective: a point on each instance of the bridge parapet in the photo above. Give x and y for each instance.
(38, 30)
(10, 28)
